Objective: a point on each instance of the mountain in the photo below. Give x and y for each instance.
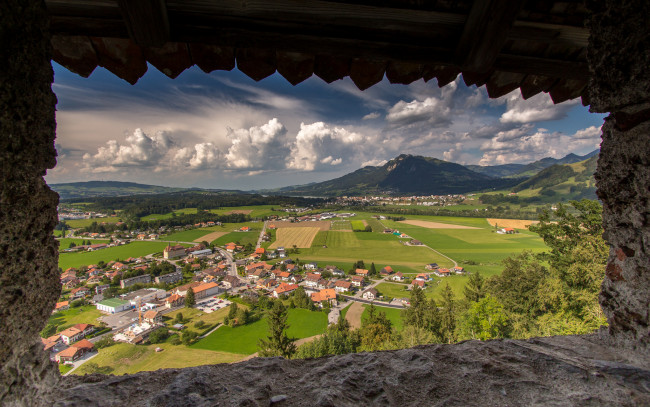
(406, 174)
(569, 181)
(91, 189)
(528, 170)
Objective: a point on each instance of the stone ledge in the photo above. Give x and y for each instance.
(555, 371)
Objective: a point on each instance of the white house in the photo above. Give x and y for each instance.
(370, 294)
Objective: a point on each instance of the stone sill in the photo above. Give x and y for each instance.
(554, 371)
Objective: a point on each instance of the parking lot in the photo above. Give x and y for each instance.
(211, 304)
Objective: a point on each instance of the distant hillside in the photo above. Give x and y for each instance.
(528, 170)
(91, 189)
(406, 174)
(570, 181)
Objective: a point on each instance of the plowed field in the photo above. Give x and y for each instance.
(512, 223)
(300, 237)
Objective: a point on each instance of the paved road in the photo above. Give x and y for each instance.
(259, 240)
(377, 303)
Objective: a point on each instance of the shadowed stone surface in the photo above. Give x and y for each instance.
(558, 371)
(29, 278)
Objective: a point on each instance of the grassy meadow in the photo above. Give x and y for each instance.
(243, 339)
(125, 358)
(134, 249)
(86, 314)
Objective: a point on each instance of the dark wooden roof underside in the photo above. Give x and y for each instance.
(536, 46)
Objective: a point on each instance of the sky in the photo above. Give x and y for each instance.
(224, 130)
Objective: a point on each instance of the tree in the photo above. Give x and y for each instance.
(189, 337)
(474, 290)
(189, 298)
(485, 319)
(376, 330)
(448, 316)
(158, 335)
(277, 343)
(179, 318)
(373, 270)
(368, 228)
(72, 245)
(415, 314)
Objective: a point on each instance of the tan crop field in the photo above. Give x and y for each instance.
(512, 223)
(434, 225)
(210, 237)
(239, 211)
(323, 225)
(300, 237)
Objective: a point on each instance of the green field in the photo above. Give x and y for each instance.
(393, 290)
(244, 339)
(82, 223)
(125, 358)
(341, 225)
(357, 225)
(86, 314)
(192, 234)
(258, 211)
(135, 249)
(382, 249)
(242, 237)
(394, 315)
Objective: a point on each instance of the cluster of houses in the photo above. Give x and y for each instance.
(286, 276)
(424, 200)
(69, 344)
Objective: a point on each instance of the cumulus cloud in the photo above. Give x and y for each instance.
(525, 145)
(453, 154)
(371, 116)
(318, 145)
(431, 110)
(538, 108)
(140, 150)
(259, 147)
(201, 156)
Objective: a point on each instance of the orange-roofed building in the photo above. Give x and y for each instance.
(361, 272)
(260, 250)
(284, 288)
(62, 306)
(206, 290)
(323, 297)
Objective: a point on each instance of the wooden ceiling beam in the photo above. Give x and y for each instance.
(485, 32)
(146, 21)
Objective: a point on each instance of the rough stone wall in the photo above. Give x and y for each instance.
(619, 56)
(28, 252)
(558, 371)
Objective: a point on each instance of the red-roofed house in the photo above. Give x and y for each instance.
(206, 290)
(76, 332)
(361, 272)
(74, 352)
(284, 288)
(419, 283)
(398, 276)
(386, 271)
(80, 292)
(357, 281)
(342, 286)
(326, 296)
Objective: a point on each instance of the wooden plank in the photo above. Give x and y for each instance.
(146, 21)
(542, 66)
(485, 32)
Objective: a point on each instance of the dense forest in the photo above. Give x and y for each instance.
(136, 206)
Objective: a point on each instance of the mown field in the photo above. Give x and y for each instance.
(300, 237)
(382, 249)
(125, 358)
(258, 211)
(244, 339)
(86, 314)
(135, 249)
